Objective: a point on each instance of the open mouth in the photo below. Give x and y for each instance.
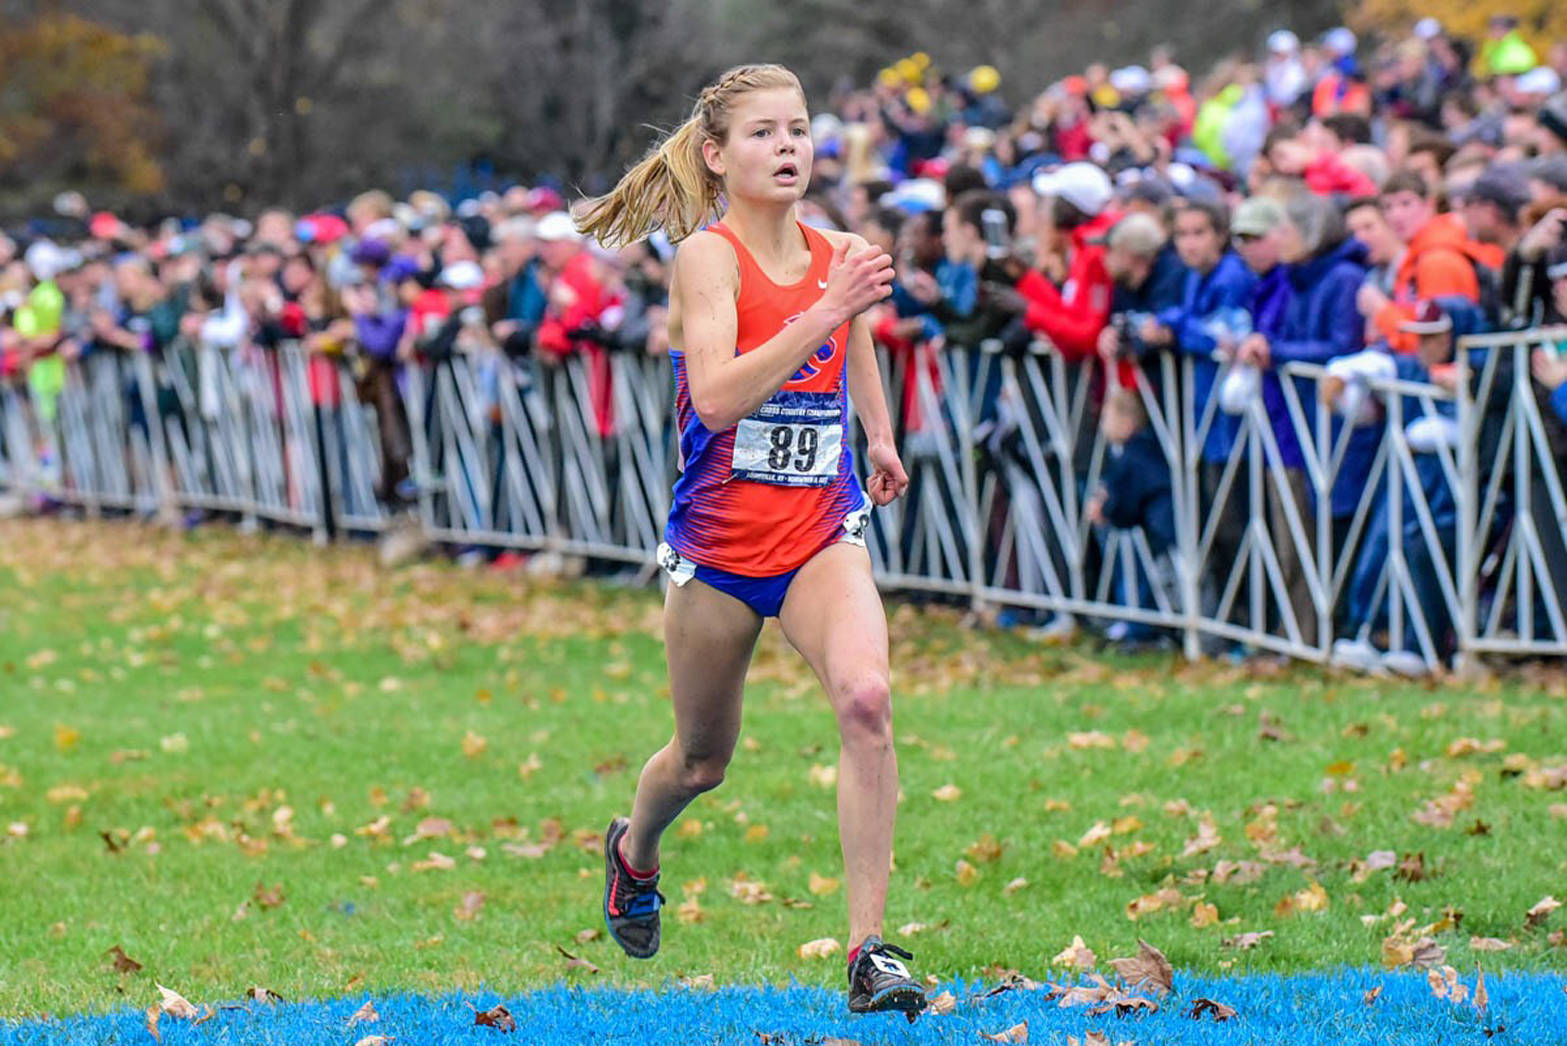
(787, 173)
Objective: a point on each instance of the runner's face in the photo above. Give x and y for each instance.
(769, 152)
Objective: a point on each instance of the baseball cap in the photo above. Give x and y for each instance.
(1542, 80)
(1505, 185)
(1257, 216)
(555, 227)
(1429, 318)
(1340, 40)
(1083, 185)
(462, 275)
(1282, 41)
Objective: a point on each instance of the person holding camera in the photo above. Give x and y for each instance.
(1150, 278)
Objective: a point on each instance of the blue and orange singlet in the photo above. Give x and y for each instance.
(762, 497)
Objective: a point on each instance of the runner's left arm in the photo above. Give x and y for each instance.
(887, 479)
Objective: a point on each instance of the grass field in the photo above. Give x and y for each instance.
(248, 762)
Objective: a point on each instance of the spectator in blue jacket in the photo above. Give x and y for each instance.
(1318, 322)
(1212, 314)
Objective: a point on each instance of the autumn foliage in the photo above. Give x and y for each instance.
(74, 109)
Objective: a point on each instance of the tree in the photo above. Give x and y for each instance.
(74, 110)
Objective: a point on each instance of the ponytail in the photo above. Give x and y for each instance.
(672, 187)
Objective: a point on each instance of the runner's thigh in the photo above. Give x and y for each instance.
(834, 617)
(708, 637)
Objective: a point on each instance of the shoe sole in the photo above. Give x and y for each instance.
(609, 855)
(910, 1001)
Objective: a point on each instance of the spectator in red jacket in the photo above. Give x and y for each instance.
(1072, 315)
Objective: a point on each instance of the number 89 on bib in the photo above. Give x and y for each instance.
(794, 439)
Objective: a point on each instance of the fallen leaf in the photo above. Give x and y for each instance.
(468, 910)
(175, 1005)
(1488, 944)
(1204, 914)
(1412, 869)
(1169, 897)
(985, 849)
(1090, 739)
(153, 1013)
(749, 891)
(474, 745)
(574, 963)
(947, 793)
(1014, 886)
(1098, 833)
(374, 1040)
(1207, 1007)
(1541, 911)
(941, 1005)
(1206, 839)
(821, 885)
(966, 873)
(1148, 966)
(1077, 955)
(702, 981)
(1246, 941)
(1482, 998)
(589, 935)
(268, 899)
(497, 1017)
(123, 963)
(364, 1015)
(689, 911)
(1371, 996)
(1016, 1033)
(820, 948)
(266, 995)
(435, 862)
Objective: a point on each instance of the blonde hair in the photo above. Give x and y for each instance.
(672, 187)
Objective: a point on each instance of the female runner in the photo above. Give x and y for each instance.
(768, 517)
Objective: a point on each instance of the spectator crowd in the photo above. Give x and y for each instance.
(1349, 204)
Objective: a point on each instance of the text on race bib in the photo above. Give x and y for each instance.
(794, 439)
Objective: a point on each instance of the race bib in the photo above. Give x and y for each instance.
(794, 439)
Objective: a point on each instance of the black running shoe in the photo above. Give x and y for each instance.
(878, 981)
(630, 905)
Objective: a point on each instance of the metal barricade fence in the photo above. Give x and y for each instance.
(1307, 527)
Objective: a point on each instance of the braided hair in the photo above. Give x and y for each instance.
(672, 187)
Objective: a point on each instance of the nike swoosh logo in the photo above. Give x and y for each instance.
(822, 284)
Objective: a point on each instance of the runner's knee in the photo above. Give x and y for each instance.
(698, 774)
(865, 708)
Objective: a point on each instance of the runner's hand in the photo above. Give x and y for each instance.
(887, 479)
(856, 280)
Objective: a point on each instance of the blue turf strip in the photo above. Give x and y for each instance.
(1324, 1009)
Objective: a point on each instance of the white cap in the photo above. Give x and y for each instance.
(1083, 185)
(462, 276)
(1340, 40)
(1131, 79)
(825, 126)
(1282, 41)
(1541, 80)
(44, 260)
(556, 226)
(917, 194)
(1428, 28)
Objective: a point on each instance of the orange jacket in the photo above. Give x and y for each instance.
(1440, 262)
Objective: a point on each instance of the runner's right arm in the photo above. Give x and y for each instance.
(726, 387)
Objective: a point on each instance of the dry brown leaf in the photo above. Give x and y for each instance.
(122, 963)
(374, 1040)
(497, 1017)
(1016, 1033)
(1085, 740)
(821, 885)
(1371, 996)
(437, 861)
(1246, 941)
(574, 963)
(1208, 1007)
(820, 948)
(175, 1005)
(941, 1005)
(701, 982)
(266, 995)
(984, 850)
(1488, 944)
(690, 911)
(1204, 914)
(1412, 869)
(967, 874)
(1077, 955)
(947, 793)
(1148, 966)
(266, 898)
(364, 1015)
(474, 745)
(1482, 998)
(1168, 897)
(1206, 839)
(153, 1013)
(1541, 911)
(1098, 833)
(468, 910)
(589, 935)
(1014, 886)
(749, 891)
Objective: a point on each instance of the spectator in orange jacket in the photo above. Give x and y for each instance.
(1440, 260)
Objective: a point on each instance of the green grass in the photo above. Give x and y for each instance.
(174, 693)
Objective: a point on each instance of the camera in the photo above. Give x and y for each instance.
(1127, 327)
(998, 242)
